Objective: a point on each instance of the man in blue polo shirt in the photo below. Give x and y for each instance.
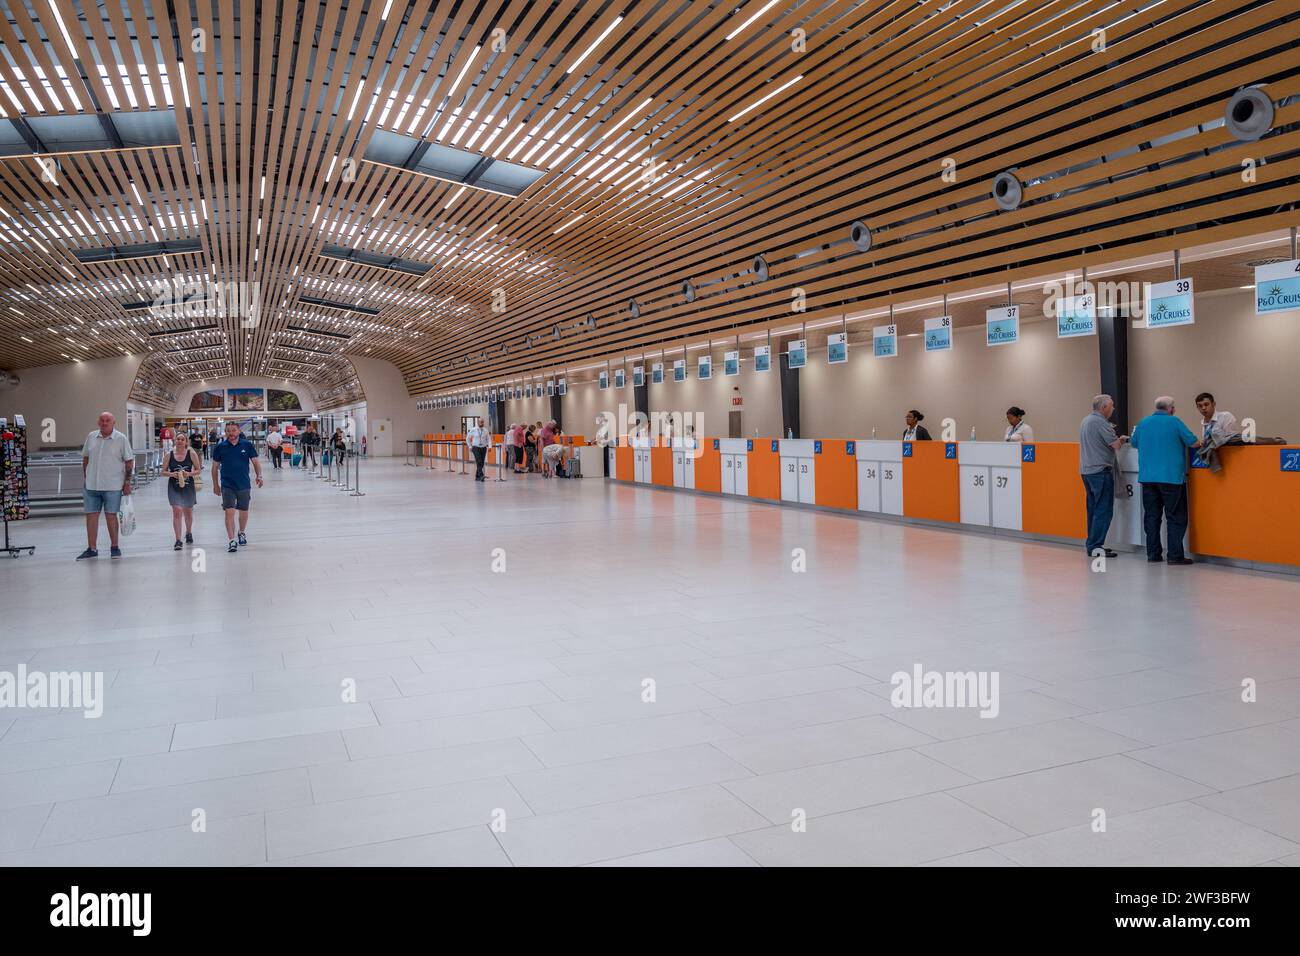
(1162, 440)
(230, 460)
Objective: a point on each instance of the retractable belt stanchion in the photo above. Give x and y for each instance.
(463, 449)
(356, 485)
(447, 446)
(501, 457)
(345, 480)
(432, 455)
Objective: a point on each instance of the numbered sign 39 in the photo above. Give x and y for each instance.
(938, 334)
(1002, 325)
(1170, 303)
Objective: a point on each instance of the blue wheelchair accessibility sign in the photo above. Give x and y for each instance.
(1027, 453)
(950, 449)
(907, 449)
(1291, 459)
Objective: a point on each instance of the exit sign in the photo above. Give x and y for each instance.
(737, 402)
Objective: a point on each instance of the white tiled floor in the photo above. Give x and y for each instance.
(502, 718)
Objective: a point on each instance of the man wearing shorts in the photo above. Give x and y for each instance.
(230, 460)
(106, 464)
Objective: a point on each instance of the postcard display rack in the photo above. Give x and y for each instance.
(13, 479)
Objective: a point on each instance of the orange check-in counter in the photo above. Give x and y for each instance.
(1249, 512)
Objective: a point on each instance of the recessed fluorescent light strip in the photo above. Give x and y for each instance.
(759, 102)
(595, 43)
(766, 7)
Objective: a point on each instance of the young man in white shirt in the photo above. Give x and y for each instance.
(1220, 425)
(106, 465)
(478, 440)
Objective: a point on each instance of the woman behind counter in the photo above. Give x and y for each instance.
(915, 430)
(1017, 429)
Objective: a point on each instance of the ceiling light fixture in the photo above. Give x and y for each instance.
(587, 52)
(576, 218)
(759, 102)
(766, 7)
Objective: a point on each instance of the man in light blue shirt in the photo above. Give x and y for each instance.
(1162, 440)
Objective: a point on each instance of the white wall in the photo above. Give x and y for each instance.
(1053, 379)
(72, 395)
(1247, 361)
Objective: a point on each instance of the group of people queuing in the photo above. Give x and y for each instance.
(526, 448)
(107, 465)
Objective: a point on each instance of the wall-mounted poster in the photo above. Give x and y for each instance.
(282, 400)
(245, 400)
(210, 400)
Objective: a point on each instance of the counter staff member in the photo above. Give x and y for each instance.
(1017, 428)
(915, 430)
(1162, 441)
(1214, 423)
(1097, 466)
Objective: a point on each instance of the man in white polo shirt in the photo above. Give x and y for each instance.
(106, 464)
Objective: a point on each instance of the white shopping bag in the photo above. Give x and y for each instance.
(126, 516)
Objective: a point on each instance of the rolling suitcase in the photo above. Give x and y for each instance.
(573, 467)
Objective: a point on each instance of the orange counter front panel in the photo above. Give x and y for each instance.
(708, 469)
(625, 463)
(661, 467)
(764, 467)
(1251, 510)
(836, 476)
(1052, 499)
(930, 483)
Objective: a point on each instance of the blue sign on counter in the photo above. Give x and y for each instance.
(1196, 461)
(851, 448)
(817, 447)
(749, 444)
(715, 444)
(1027, 453)
(950, 449)
(776, 445)
(907, 449)
(1291, 459)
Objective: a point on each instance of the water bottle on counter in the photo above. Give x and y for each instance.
(972, 433)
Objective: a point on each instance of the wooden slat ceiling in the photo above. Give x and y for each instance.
(675, 141)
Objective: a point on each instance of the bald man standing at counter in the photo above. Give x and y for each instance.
(1162, 440)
